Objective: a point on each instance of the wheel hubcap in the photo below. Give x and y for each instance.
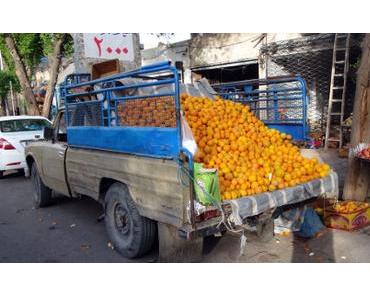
(122, 219)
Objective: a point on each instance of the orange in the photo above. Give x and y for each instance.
(250, 157)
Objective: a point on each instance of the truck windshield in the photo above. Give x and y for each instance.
(23, 125)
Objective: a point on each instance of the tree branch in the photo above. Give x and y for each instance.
(21, 73)
(55, 60)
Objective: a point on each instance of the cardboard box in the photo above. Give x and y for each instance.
(347, 221)
(106, 68)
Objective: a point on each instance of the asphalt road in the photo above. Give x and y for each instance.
(69, 231)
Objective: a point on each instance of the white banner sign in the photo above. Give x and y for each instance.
(109, 46)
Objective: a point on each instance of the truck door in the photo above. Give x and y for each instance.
(54, 157)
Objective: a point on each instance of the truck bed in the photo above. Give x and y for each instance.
(153, 183)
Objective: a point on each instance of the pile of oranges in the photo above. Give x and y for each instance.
(350, 206)
(250, 157)
(149, 112)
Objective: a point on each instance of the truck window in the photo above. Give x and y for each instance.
(23, 125)
(62, 129)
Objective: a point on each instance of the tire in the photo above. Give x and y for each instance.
(41, 193)
(131, 234)
(1, 174)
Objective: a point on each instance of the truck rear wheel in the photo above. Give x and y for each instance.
(131, 234)
(41, 193)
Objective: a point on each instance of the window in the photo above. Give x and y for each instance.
(23, 125)
(62, 125)
(62, 129)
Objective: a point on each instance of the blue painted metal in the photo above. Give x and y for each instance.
(110, 135)
(141, 141)
(281, 103)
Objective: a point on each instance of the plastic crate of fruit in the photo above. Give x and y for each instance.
(362, 152)
(347, 215)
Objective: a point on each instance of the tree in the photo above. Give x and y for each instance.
(23, 53)
(21, 73)
(55, 59)
(358, 178)
(7, 78)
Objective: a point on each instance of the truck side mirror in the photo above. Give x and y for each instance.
(48, 133)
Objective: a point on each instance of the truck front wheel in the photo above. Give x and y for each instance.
(41, 193)
(131, 234)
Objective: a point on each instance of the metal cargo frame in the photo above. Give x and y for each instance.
(281, 103)
(92, 114)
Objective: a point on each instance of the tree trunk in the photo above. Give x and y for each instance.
(20, 70)
(3, 106)
(6, 102)
(54, 69)
(358, 175)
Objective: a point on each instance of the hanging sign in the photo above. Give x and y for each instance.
(109, 46)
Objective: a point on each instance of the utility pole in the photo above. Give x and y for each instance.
(12, 97)
(10, 83)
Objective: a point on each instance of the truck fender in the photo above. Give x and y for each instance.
(104, 185)
(30, 160)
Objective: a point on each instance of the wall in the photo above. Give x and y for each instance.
(178, 51)
(218, 48)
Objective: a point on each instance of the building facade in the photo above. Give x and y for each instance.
(177, 52)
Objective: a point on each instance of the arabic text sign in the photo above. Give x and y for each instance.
(109, 46)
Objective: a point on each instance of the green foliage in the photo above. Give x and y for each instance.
(5, 78)
(47, 42)
(68, 46)
(34, 46)
(30, 48)
(7, 58)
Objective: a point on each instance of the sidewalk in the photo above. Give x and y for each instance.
(332, 246)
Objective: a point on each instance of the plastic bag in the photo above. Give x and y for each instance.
(188, 140)
(206, 181)
(311, 224)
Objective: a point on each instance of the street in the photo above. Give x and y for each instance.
(65, 232)
(69, 231)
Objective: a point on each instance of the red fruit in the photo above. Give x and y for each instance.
(365, 153)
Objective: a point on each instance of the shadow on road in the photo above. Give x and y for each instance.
(13, 174)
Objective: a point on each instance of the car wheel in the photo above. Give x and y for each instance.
(41, 193)
(131, 234)
(1, 174)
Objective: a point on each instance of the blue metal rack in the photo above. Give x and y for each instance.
(91, 111)
(281, 103)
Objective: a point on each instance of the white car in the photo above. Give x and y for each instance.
(15, 132)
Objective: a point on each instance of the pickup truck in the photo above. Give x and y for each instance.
(136, 193)
(145, 199)
(142, 176)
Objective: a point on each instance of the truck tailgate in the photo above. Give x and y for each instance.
(253, 205)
